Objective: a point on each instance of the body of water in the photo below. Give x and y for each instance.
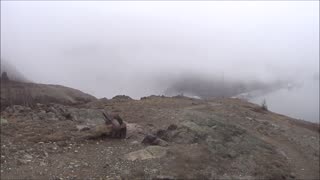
(300, 102)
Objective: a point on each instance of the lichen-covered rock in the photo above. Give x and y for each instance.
(83, 127)
(3, 121)
(153, 140)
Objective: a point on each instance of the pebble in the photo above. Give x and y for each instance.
(135, 143)
(23, 161)
(292, 175)
(46, 154)
(164, 177)
(27, 156)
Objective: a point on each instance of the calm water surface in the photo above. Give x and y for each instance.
(299, 102)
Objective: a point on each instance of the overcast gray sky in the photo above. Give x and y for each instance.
(109, 48)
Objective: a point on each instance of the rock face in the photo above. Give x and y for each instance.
(28, 94)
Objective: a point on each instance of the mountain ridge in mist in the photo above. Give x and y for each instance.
(13, 73)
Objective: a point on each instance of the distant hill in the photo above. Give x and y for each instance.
(28, 94)
(12, 72)
(21, 91)
(206, 87)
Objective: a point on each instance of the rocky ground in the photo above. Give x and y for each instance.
(197, 139)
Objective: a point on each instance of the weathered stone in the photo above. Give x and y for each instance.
(23, 161)
(3, 121)
(150, 152)
(172, 127)
(134, 143)
(133, 128)
(161, 133)
(17, 108)
(9, 110)
(27, 156)
(51, 116)
(153, 140)
(163, 177)
(83, 127)
(162, 142)
(149, 139)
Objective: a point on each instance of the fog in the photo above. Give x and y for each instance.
(144, 48)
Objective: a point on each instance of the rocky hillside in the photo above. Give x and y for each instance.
(28, 94)
(167, 138)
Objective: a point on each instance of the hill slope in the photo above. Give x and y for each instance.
(19, 93)
(202, 139)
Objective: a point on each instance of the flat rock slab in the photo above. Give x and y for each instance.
(82, 127)
(150, 152)
(3, 121)
(133, 128)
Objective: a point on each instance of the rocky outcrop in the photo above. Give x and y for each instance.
(121, 98)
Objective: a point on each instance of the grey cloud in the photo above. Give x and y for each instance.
(143, 48)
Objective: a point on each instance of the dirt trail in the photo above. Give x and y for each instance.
(304, 167)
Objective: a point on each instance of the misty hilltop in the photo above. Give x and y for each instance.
(167, 138)
(145, 48)
(12, 72)
(198, 49)
(159, 90)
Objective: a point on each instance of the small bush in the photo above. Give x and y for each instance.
(264, 105)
